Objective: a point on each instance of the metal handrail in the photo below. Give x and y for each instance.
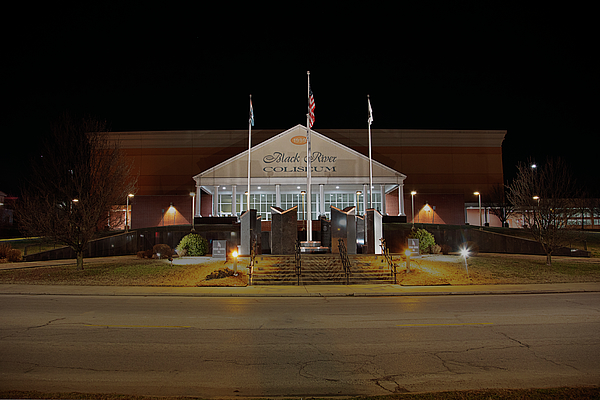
(253, 246)
(386, 253)
(345, 260)
(298, 261)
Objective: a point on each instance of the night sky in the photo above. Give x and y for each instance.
(527, 71)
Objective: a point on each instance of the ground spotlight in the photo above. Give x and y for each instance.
(465, 253)
(235, 257)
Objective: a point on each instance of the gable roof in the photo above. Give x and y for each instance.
(281, 160)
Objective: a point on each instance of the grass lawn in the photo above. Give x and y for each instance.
(128, 272)
(428, 270)
(533, 269)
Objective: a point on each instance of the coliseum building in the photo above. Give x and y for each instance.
(205, 173)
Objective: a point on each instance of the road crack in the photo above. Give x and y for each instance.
(46, 324)
(535, 354)
(389, 384)
(450, 364)
(27, 329)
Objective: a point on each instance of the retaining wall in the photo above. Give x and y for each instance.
(395, 234)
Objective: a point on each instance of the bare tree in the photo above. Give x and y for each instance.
(498, 204)
(546, 196)
(79, 177)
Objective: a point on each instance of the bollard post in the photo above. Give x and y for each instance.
(408, 253)
(235, 256)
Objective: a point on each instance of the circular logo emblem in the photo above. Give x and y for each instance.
(298, 140)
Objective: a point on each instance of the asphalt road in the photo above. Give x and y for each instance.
(220, 347)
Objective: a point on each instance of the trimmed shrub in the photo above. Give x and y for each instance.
(14, 255)
(426, 240)
(162, 251)
(4, 249)
(219, 274)
(445, 249)
(192, 245)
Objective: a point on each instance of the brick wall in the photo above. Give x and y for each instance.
(160, 211)
(443, 208)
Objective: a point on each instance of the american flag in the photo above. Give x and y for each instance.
(251, 113)
(311, 108)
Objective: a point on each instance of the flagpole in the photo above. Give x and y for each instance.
(370, 157)
(308, 168)
(249, 147)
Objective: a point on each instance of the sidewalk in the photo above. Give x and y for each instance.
(297, 291)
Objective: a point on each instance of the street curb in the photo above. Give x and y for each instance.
(294, 291)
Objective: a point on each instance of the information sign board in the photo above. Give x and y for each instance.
(413, 246)
(219, 249)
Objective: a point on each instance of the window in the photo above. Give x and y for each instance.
(262, 203)
(289, 200)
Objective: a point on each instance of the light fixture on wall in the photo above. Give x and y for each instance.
(172, 210)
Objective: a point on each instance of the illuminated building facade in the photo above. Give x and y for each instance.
(205, 173)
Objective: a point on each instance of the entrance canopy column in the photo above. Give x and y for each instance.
(234, 200)
(401, 199)
(198, 200)
(215, 201)
(382, 191)
(321, 200)
(366, 195)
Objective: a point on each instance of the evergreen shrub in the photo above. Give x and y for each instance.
(192, 245)
(426, 240)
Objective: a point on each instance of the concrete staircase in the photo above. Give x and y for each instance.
(320, 269)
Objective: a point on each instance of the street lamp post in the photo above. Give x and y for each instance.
(193, 196)
(130, 195)
(412, 201)
(479, 196)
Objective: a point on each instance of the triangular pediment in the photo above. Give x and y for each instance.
(282, 159)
